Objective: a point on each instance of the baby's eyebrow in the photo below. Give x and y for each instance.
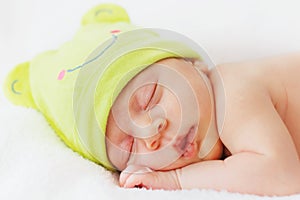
(133, 101)
(137, 93)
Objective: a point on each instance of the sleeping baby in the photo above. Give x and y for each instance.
(150, 104)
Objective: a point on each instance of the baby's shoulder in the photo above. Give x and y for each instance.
(242, 93)
(237, 87)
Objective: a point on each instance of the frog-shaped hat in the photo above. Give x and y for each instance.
(75, 86)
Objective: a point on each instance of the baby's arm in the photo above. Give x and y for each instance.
(244, 172)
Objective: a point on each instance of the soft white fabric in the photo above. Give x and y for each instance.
(35, 164)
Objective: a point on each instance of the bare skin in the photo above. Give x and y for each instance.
(257, 109)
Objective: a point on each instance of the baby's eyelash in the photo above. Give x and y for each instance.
(147, 97)
(151, 97)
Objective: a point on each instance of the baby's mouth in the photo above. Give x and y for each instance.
(186, 145)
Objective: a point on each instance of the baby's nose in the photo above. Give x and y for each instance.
(153, 142)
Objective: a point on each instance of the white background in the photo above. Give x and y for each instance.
(34, 164)
(230, 30)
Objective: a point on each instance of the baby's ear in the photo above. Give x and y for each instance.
(199, 65)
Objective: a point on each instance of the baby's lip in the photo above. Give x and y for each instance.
(185, 144)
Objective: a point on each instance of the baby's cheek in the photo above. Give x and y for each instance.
(174, 116)
(171, 105)
(126, 143)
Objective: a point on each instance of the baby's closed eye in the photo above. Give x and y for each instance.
(146, 95)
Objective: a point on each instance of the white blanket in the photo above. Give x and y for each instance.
(35, 164)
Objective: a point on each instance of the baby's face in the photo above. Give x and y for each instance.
(160, 118)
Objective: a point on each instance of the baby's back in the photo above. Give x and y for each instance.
(284, 75)
(248, 88)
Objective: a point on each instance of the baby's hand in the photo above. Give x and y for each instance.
(137, 176)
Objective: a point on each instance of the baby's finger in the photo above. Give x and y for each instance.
(130, 170)
(123, 177)
(134, 181)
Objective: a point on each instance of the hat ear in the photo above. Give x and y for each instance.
(105, 13)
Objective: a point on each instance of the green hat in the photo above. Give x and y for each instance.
(77, 103)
